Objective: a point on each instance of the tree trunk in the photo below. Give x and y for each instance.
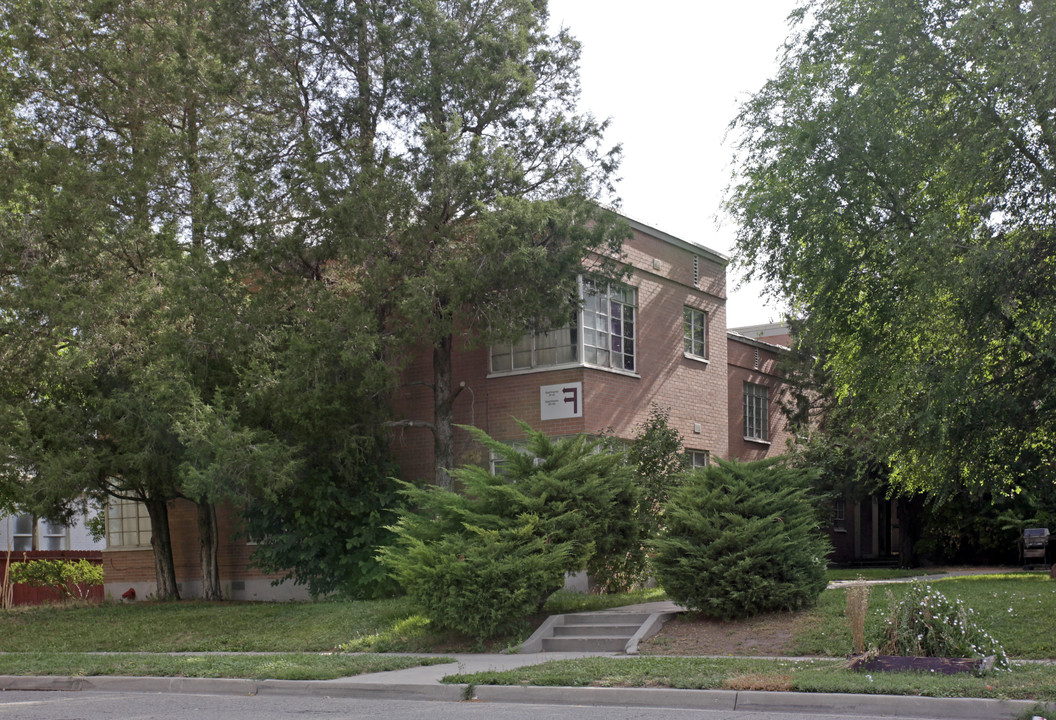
(443, 415)
(910, 510)
(161, 543)
(207, 551)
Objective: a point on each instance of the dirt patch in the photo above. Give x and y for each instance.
(689, 634)
(759, 681)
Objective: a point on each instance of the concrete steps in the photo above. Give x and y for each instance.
(608, 631)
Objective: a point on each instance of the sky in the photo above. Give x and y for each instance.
(670, 75)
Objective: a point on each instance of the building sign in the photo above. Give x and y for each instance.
(561, 401)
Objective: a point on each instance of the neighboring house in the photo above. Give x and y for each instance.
(26, 538)
(25, 533)
(658, 338)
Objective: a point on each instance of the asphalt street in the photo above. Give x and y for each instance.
(90, 705)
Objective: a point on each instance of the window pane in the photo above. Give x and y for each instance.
(23, 525)
(500, 361)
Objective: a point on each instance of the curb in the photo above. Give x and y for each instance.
(830, 704)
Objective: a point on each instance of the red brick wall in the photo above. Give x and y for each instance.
(741, 369)
(128, 567)
(693, 391)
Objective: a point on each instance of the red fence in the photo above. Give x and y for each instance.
(26, 595)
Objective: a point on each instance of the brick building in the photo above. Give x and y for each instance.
(659, 338)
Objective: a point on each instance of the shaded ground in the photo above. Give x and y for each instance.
(764, 635)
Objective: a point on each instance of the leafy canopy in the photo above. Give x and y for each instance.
(896, 184)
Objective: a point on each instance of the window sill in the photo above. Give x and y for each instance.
(696, 358)
(128, 548)
(567, 366)
(757, 441)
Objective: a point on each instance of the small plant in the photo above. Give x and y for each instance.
(856, 611)
(70, 579)
(927, 623)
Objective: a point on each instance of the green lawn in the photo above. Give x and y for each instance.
(1017, 609)
(281, 666)
(363, 626)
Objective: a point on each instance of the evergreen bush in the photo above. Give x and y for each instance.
(477, 560)
(742, 539)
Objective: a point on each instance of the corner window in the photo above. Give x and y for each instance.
(127, 524)
(537, 350)
(603, 335)
(695, 332)
(609, 325)
(755, 405)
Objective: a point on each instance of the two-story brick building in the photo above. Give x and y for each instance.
(659, 338)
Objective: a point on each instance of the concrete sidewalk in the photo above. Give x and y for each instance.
(424, 683)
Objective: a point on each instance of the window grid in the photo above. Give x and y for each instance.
(608, 322)
(22, 534)
(52, 536)
(755, 406)
(694, 332)
(698, 458)
(609, 325)
(127, 524)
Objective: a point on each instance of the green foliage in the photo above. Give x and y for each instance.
(741, 540)
(324, 531)
(557, 507)
(895, 187)
(70, 579)
(657, 457)
(479, 581)
(585, 490)
(925, 622)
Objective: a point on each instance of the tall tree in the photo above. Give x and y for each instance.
(115, 291)
(456, 173)
(896, 183)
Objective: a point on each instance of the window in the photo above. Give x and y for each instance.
(22, 537)
(535, 350)
(697, 458)
(608, 325)
(52, 536)
(127, 524)
(607, 339)
(755, 424)
(839, 515)
(695, 332)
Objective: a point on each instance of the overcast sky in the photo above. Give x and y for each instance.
(670, 75)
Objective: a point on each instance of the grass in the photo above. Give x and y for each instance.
(284, 666)
(361, 626)
(1016, 609)
(195, 626)
(1030, 682)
